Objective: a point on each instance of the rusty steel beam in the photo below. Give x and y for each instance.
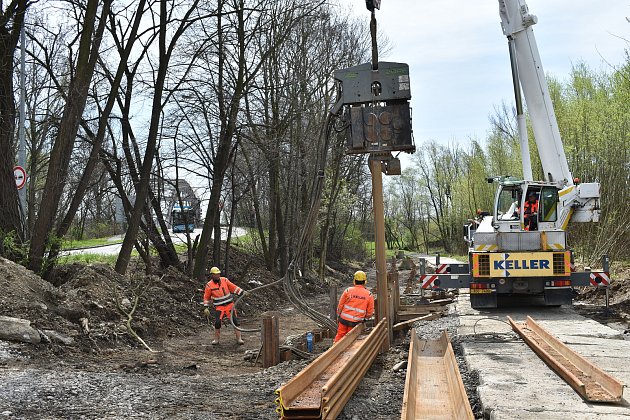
(408, 324)
(322, 389)
(592, 383)
(433, 387)
(382, 292)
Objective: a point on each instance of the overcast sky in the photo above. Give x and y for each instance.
(459, 60)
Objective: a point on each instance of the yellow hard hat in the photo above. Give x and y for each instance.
(360, 276)
(215, 270)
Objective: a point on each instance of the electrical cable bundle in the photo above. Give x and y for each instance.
(293, 274)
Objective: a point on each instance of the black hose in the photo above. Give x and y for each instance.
(239, 299)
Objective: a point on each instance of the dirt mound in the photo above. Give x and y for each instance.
(159, 305)
(26, 295)
(91, 303)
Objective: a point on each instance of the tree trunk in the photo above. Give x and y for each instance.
(142, 189)
(64, 144)
(228, 119)
(93, 159)
(9, 210)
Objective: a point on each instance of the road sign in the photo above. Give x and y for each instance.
(20, 177)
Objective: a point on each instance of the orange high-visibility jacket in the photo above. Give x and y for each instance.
(220, 293)
(355, 305)
(530, 208)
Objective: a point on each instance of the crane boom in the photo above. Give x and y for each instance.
(517, 22)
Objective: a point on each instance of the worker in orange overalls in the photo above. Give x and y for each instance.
(530, 212)
(220, 291)
(355, 306)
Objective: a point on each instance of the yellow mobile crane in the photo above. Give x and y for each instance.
(521, 249)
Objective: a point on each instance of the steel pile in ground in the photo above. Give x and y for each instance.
(592, 383)
(322, 389)
(433, 387)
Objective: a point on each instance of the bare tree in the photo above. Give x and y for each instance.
(164, 57)
(88, 52)
(240, 59)
(11, 22)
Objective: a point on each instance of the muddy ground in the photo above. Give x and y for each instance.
(105, 373)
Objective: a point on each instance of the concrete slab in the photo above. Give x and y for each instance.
(516, 384)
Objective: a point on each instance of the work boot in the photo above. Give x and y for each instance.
(239, 340)
(216, 338)
(215, 342)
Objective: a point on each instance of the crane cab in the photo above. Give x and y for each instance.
(526, 206)
(516, 225)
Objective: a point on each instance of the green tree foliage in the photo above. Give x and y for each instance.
(593, 113)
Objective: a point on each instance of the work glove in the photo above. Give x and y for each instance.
(206, 311)
(245, 293)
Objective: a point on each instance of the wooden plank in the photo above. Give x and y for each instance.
(592, 383)
(441, 302)
(286, 355)
(333, 299)
(393, 278)
(422, 307)
(407, 315)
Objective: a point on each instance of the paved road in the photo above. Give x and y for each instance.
(177, 238)
(516, 384)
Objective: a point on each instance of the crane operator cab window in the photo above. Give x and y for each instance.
(548, 204)
(508, 203)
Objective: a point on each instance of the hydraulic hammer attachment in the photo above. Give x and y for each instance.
(376, 110)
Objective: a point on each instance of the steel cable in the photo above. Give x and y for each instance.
(239, 299)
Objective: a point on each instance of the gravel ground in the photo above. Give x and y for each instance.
(184, 385)
(79, 389)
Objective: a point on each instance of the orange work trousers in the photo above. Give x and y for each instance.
(341, 331)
